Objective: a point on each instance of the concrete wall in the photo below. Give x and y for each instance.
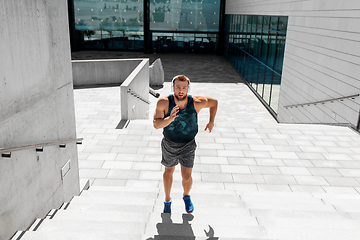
(36, 105)
(322, 57)
(102, 72)
(137, 82)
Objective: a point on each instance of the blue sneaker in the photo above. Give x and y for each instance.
(167, 206)
(189, 207)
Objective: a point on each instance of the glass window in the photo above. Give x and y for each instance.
(280, 53)
(109, 24)
(267, 85)
(264, 45)
(282, 24)
(274, 23)
(257, 54)
(272, 50)
(275, 92)
(266, 22)
(260, 21)
(185, 15)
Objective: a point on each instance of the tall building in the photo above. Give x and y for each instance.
(300, 58)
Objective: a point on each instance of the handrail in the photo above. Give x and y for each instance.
(40, 145)
(328, 100)
(256, 59)
(137, 96)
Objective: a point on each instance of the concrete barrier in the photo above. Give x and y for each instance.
(37, 106)
(134, 92)
(102, 72)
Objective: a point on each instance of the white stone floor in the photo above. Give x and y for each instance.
(247, 150)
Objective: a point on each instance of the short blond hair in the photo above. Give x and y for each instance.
(181, 78)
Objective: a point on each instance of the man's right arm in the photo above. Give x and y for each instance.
(160, 121)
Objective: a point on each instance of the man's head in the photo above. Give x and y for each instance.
(180, 86)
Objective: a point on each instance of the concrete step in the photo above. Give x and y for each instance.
(110, 207)
(308, 223)
(278, 194)
(305, 200)
(295, 233)
(86, 226)
(344, 205)
(86, 215)
(198, 230)
(267, 213)
(209, 218)
(123, 189)
(336, 196)
(66, 235)
(290, 206)
(166, 237)
(120, 194)
(178, 189)
(203, 210)
(124, 200)
(204, 206)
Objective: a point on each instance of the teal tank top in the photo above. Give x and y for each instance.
(185, 127)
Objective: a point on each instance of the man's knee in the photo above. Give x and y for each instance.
(187, 178)
(169, 170)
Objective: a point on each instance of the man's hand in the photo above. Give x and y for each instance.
(209, 126)
(174, 113)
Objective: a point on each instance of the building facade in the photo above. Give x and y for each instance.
(135, 25)
(320, 69)
(301, 58)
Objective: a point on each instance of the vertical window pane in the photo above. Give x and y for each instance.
(275, 92)
(264, 45)
(283, 21)
(261, 79)
(280, 53)
(274, 23)
(272, 50)
(267, 85)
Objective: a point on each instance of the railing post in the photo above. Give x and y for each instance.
(358, 124)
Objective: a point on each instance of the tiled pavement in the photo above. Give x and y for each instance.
(246, 150)
(253, 178)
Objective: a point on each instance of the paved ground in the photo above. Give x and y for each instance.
(301, 174)
(199, 68)
(308, 158)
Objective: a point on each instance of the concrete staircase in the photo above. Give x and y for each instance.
(253, 179)
(135, 214)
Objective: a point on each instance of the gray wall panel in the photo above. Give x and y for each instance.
(322, 57)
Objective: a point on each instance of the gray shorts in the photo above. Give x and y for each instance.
(174, 153)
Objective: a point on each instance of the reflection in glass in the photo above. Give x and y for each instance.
(275, 92)
(255, 46)
(109, 24)
(118, 24)
(185, 15)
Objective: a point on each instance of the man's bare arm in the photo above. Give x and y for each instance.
(207, 102)
(160, 121)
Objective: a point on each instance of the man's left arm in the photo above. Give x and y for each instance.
(208, 102)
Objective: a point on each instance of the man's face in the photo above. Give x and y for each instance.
(180, 89)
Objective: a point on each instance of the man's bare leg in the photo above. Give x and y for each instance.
(187, 184)
(168, 180)
(186, 179)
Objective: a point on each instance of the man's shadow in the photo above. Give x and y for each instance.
(168, 230)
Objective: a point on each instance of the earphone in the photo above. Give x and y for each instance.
(173, 80)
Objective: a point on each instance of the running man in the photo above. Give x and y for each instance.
(177, 115)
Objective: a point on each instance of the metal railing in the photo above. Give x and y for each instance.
(323, 101)
(137, 96)
(6, 152)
